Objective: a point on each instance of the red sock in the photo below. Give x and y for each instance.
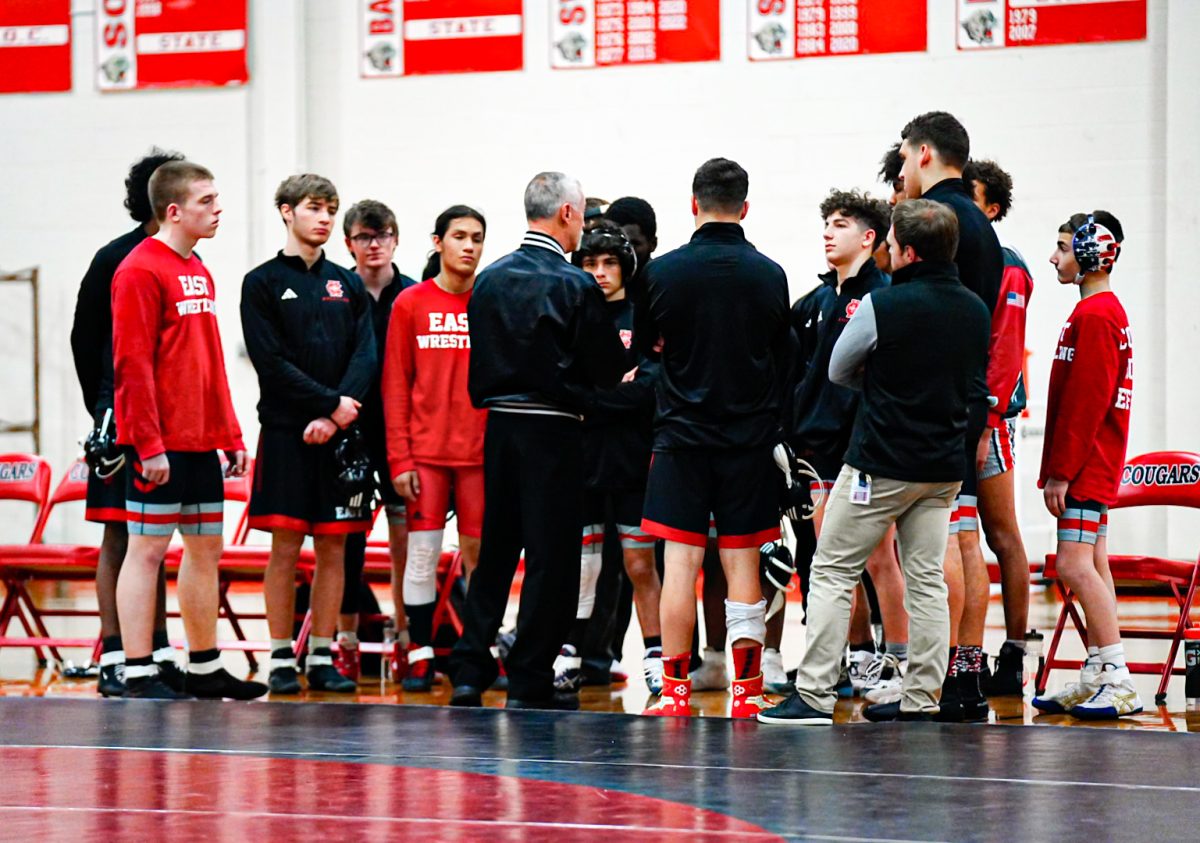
(747, 661)
(676, 667)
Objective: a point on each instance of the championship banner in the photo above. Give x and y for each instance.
(170, 44)
(35, 46)
(988, 24)
(604, 33)
(796, 29)
(413, 37)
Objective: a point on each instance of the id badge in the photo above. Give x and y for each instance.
(860, 490)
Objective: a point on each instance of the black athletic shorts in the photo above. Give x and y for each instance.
(191, 501)
(739, 487)
(295, 488)
(620, 507)
(105, 497)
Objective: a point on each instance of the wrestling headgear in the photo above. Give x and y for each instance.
(607, 238)
(354, 478)
(100, 451)
(1095, 247)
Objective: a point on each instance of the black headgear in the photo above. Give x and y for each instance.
(1095, 247)
(100, 451)
(354, 479)
(608, 240)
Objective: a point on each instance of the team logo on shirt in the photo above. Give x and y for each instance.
(851, 306)
(627, 338)
(333, 288)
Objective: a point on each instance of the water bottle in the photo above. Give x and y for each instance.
(389, 645)
(1035, 658)
(1191, 658)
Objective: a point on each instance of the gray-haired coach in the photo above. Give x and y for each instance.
(540, 339)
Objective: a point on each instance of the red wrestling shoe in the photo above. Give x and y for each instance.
(747, 698)
(675, 699)
(348, 662)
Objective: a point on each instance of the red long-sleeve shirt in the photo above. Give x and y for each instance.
(171, 390)
(426, 407)
(1006, 350)
(1091, 391)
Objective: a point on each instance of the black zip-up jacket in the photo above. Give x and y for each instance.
(91, 333)
(540, 337)
(919, 374)
(721, 309)
(980, 258)
(370, 415)
(618, 423)
(822, 412)
(308, 332)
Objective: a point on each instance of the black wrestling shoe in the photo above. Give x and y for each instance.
(974, 703)
(324, 677)
(152, 688)
(466, 696)
(172, 676)
(221, 685)
(889, 712)
(559, 701)
(112, 680)
(1008, 678)
(951, 703)
(284, 680)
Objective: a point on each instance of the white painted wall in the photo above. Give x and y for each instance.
(1080, 127)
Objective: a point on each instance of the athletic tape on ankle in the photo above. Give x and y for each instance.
(112, 658)
(746, 621)
(318, 661)
(420, 572)
(590, 561)
(420, 654)
(164, 654)
(277, 664)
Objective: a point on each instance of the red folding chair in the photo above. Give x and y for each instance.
(1161, 478)
(26, 477)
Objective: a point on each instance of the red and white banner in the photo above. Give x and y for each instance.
(170, 43)
(35, 46)
(603, 33)
(412, 37)
(988, 24)
(796, 29)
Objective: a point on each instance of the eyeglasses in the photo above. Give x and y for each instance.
(364, 239)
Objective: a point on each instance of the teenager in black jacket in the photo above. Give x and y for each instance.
(307, 326)
(92, 346)
(540, 342)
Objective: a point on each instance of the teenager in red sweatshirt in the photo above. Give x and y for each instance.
(1087, 429)
(434, 435)
(174, 414)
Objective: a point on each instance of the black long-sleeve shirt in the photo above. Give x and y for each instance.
(371, 413)
(822, 412)
(309, 335)
(618, 423)
(721, 309)
(92, 331)
(540, 337)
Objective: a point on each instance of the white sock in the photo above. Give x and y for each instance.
(347, 639)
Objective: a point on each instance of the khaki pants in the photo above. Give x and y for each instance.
(921, 512)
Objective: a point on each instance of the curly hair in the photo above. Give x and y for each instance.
(137, 183)
(869, 212)
(997, 184)
(890, 165)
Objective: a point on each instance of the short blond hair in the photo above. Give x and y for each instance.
(170, 183)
